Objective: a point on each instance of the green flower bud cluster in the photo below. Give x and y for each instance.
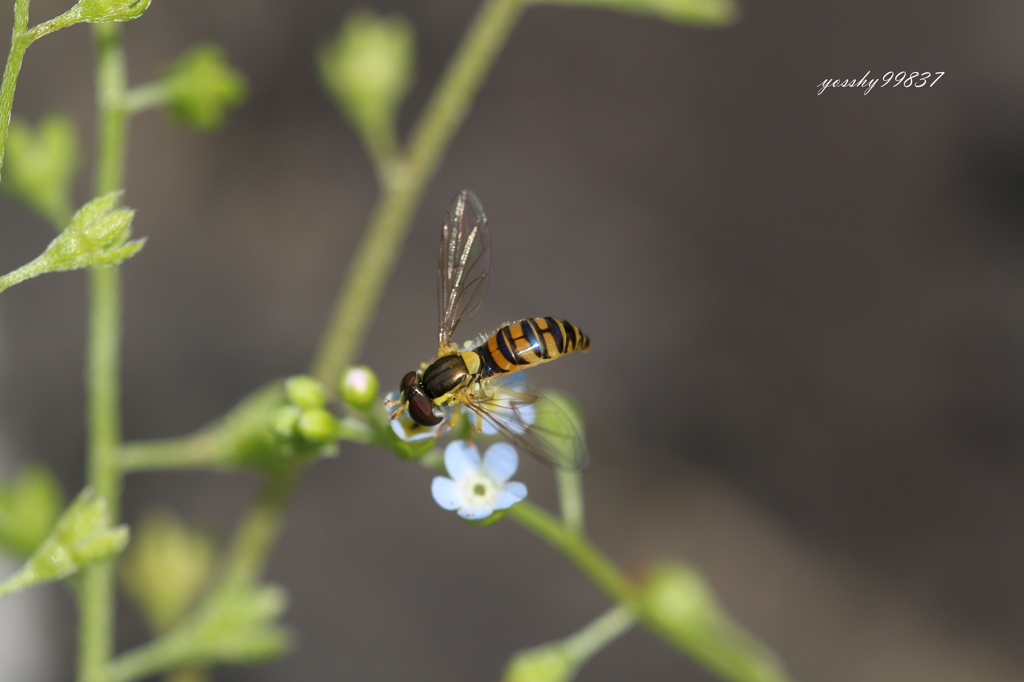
(97, 236)
(29, 506)
(304, 424)
(368, 68)
(82, 536)
(201, 86)
(166, 568)
(40, 166)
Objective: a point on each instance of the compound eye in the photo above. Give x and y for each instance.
(408, 380)
(423, 411)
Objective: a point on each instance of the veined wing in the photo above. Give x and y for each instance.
(463, 265)
(533, 423)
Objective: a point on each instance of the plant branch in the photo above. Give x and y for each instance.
(20, 41)
(96, 598)
(405, 183)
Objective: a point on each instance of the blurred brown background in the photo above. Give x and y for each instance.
(807, 375)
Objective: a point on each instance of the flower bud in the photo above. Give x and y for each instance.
(82, 536)
(166, 568)
(41, 164)
(368, 69)
(109, 10)
(305, 392)
(318, 426)
(677, 596)
(203, 86)
(284, 422)
(358, 387)
(29, 506)
(550, 663)
(681, 606)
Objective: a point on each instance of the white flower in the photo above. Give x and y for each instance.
(478, 488)
(509, 405)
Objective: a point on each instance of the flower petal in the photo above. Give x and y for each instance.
(408, 430)
(474, 513)
(501, 461)
(446, 493)
(513, 492)
(461, 459)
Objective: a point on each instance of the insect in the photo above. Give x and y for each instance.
(466, 376)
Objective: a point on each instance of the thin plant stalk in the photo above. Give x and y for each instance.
(404, 184)
(388, 226)
(96, 596)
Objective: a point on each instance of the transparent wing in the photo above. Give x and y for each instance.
(463, 265)
(532, 423)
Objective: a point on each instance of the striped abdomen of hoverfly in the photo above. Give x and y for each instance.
(528, 342)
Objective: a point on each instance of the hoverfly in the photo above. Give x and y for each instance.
(466, 377)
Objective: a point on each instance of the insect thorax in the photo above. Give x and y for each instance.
(445, 375)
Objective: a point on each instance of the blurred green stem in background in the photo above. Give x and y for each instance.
(96, 595)
(382, 242)
(404, 182)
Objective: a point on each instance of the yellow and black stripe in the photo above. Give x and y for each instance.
(529, 342)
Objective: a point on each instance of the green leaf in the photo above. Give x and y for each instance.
(368, 69)
(201, 87)
(166, 568)
(82, 536)
(697, 12)
(96, 237)
(239, 625)
(41, 165)
(29, 506)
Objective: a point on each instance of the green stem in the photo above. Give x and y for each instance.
(570, 499)
(111, 92)
(161, 654)
(19, 43)
(96, 598)
(405, 184)
(147, 96)
(599, 633)
(258, 532)
(578, 549)
(198, 451)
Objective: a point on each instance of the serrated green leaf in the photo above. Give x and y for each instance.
(95, 237)
(82, 536)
